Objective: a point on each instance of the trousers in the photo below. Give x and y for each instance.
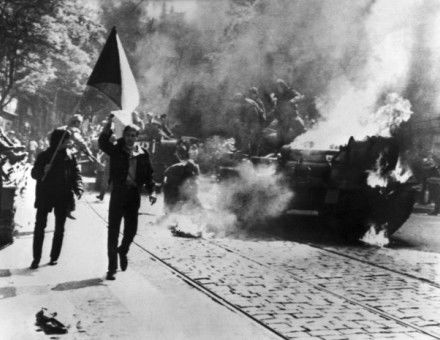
(40, 226)
(124, 203)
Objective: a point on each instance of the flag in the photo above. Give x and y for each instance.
(113, 77)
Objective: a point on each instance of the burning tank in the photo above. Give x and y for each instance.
(360, 186)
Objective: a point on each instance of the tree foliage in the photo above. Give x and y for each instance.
(46, 45)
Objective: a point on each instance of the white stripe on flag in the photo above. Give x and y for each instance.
(130, 92)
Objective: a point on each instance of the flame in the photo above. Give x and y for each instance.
(375, 177)
(200, 223)
(328, 134)
(402, 173)
(376, 236)
(188, 225)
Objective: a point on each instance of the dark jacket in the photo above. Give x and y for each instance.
(62, 181)
(180, 185)
(119, 162)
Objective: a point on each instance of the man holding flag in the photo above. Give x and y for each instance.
(130, 170)
(130, 167)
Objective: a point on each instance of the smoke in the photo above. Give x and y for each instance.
(348, 55)
(230, 46)
(423, 79)
(253, 196)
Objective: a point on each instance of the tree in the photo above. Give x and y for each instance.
(46, 45)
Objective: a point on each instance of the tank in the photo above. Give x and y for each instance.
(336, 184)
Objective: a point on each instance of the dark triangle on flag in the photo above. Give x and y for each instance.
(106, 75)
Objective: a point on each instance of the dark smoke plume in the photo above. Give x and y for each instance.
(349, 55)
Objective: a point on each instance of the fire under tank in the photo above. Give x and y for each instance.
(334, 184)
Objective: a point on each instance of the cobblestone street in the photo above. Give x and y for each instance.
(219, 170)
(302, 291)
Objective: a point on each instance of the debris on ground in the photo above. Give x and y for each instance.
(48, 322)
(178, 232)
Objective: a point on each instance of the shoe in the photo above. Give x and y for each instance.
(123, 261)
(110, 276)
(69, 215)
(100, 197)
(53, 262)
(34, 265)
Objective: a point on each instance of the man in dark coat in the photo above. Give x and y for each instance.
(180, 182)
(130, 170)
(57, 182)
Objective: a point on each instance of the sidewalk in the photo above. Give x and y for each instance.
(158, 306)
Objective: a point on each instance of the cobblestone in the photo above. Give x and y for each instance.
(299, 290)
(420, 264)
(389, 292)
(275, 295)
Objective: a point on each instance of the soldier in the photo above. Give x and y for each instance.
(247, 127)
(163, 118)
(130, 170)
(287, 121)
(57, 182)
(255, 96)
(284, 93)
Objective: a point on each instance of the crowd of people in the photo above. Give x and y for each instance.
(258, 126)
(124, 164)
(59, 180)
(12, 151)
